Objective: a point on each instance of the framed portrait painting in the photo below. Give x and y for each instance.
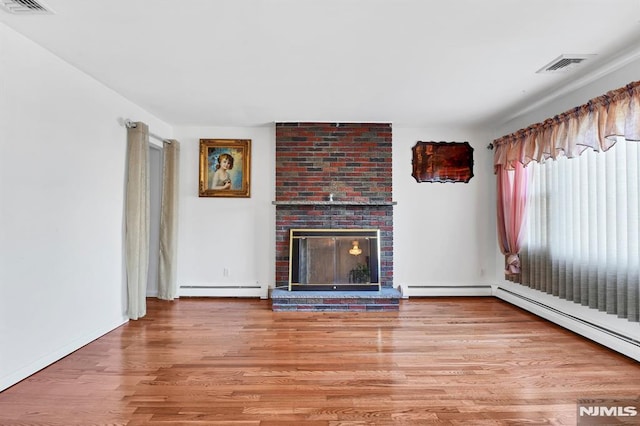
(225, 168)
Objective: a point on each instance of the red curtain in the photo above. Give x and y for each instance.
(512, 191)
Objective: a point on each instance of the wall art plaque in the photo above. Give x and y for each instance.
(442, 162)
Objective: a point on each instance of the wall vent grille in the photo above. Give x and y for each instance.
(563, 63)
(25, 7)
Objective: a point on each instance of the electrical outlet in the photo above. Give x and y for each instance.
(226, 272)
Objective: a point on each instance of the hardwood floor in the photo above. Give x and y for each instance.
(477, 361)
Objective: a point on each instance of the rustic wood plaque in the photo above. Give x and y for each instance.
(442, 162)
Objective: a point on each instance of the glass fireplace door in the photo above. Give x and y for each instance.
(334, 260)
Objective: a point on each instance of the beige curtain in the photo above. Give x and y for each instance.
(167, 281)
(137, 219)
(596, 125)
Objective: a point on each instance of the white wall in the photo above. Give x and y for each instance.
(62, 171)
(236, 234)
(444, 233)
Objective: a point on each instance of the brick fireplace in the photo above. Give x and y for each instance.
(334, 175)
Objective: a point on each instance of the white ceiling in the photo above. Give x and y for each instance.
(411, 62)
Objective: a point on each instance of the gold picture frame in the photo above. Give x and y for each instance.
(225, 168)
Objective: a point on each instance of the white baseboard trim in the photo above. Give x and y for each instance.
(225, 290)
(412, 290)
(34, 367)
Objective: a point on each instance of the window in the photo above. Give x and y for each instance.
(582, 232)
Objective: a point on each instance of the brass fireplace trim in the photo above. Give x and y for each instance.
(345, 234)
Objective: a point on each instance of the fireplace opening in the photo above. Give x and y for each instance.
(334, 259)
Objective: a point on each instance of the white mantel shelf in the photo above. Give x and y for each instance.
(334, 203)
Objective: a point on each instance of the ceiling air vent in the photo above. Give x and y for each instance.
(564, 63)
(25, 7)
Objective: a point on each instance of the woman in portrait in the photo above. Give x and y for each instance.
(221, 178)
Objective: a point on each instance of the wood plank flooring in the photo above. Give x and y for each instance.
(450, 361)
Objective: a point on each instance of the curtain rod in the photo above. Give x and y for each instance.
(130, 124)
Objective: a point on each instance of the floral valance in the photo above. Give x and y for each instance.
(596, 125)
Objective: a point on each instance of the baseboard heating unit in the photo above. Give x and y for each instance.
(617, 334)
(599, 333)
(225, 290)
(417, 290)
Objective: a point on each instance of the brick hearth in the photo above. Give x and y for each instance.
(387, 299)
